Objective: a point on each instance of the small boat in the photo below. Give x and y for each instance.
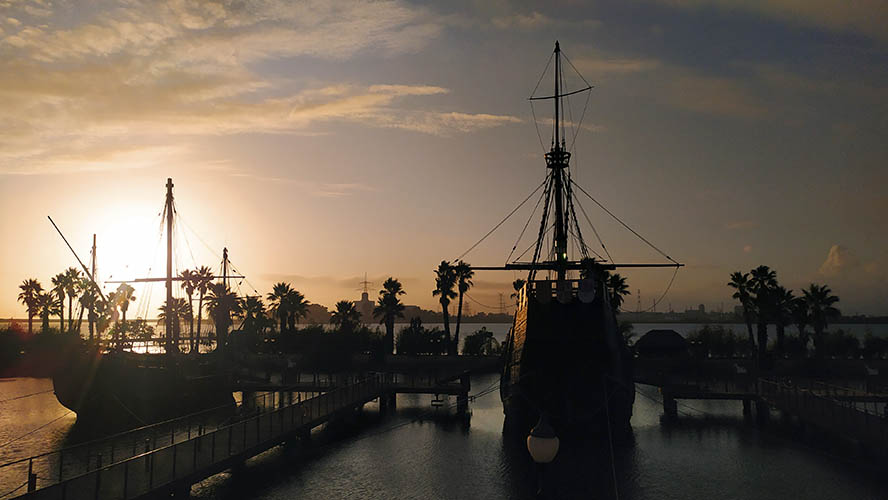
(564, 359)
(109, 386)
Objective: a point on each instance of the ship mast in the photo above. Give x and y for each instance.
(169, 270)
(557, 159)
(558, 185)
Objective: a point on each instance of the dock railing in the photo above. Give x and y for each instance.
(149, 466)
(827, 410)
(56, 465)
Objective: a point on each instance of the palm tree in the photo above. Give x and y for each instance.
(46, 306)
(740, 282)
(88, 301)
(254, 314)
(278, 301)
(124, 297)
(388, 308)
(517, 285)
(221, 304)
(445, 280)
(617, 289)
(801, 319)
(58, 287)
(31, 291)
(763, 282)
(204, 276)
(72, 289)
(346, 316)
(297, 307)
(820, 305)
(464, 275)
(176, 310)
(783, 303)
(189, 284)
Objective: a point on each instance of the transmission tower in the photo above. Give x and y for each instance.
(502, 304)
(365, 284)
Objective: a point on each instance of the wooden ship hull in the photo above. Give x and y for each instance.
(566, 359)
(124, 389)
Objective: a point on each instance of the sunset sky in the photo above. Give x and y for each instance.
(322, 140)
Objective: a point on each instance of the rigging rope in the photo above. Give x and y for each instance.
(642, 238)
(573, 213)
(663, 296)
(610, 438)
(596, 233)
(532, 245)
(536, 125)
(501, 222)
(525, 226)
(485, 305)
(550, 180)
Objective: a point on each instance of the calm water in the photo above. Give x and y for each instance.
(500, 330)
(421, 452)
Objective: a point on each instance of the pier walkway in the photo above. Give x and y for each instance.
(169, 457)
(825, 410)
(852, 413)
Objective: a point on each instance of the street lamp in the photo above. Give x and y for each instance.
(542, 443)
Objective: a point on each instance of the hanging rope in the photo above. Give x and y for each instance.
(550, 179)
(595, 231)
(542, 195)
(663, 296)
(573, 214)
(642, 238)
(495, 308)
(501, 222)
(536, 125)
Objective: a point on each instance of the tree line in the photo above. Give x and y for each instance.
(765, 301)
(284, 308)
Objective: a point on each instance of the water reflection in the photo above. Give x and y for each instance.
(424, 452)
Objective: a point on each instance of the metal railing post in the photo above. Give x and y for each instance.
(32, 478)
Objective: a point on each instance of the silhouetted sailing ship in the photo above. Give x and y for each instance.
(565, 359)
(111, 386)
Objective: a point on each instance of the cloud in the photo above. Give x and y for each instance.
(605, 66)
(531, 21)
(318, 189)
(865, 17)
(714, 95)
(139, 75)
(571, 126)
(840, 260)
(741, 224)
(747, 249)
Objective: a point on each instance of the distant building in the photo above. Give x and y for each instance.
(365, 308)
